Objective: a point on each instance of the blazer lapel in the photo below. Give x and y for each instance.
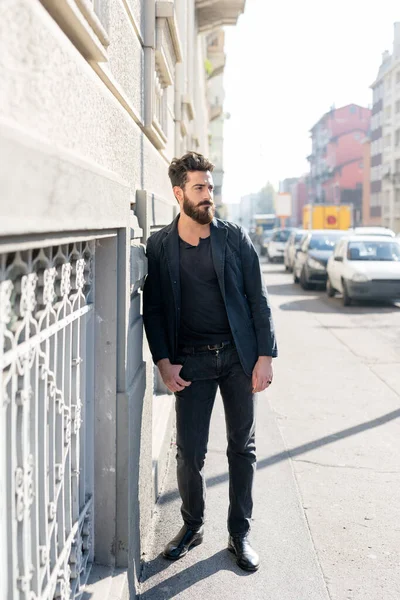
(219, 236)
(171, 248)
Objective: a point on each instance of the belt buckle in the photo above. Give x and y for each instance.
(215, 346)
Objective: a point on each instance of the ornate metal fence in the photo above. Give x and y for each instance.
(46, 419)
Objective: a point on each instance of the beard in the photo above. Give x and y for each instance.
(202, 213)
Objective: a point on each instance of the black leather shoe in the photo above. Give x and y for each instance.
(181, 544)
(246, 557)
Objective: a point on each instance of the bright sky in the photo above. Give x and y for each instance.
(288, 61)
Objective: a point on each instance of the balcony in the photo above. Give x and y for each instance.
(217, 13)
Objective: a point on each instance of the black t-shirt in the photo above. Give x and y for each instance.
(203, 313)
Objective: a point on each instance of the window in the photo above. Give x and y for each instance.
(297, 238)
(397, 138)
(361, 165)
(338, 248)
(357, 135)
(305, 242)
(352, 109)
(160, 103)
(398, 77)
(397, 166)
(377, 251)
(388, 140)
(326, 241)
(398, 106)
(397, 197)
(388, 112)
(281, 236)
(159, 65)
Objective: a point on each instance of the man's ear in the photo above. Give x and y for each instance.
(178, 193)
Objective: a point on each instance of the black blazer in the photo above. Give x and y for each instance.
(239, 276)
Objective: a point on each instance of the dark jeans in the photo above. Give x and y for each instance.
(207, 371)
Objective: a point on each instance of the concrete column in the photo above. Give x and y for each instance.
(105, 405)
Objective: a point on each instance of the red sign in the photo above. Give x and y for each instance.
(331, 220)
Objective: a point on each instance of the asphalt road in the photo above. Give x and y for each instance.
(327, 500)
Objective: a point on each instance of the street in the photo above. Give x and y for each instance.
(326, 518)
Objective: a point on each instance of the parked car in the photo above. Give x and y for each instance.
(267, 235)
(292, 245)
(372, 231)
(276, 245)
(312, 256)
(365, 267)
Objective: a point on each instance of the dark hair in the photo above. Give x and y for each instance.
(192, 161)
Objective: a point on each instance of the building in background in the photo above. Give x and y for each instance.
(96, 98)
(216, 95)
(370, 215)
(261, 202)
(376, 145)
(336, 161)
(285, 186)
(299, 200)
(385, 146)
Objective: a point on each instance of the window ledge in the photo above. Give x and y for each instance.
(81, 24)
(166, 10)
(156, 135)
(187, 100)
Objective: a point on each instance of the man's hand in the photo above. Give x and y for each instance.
(262, 374)
(170, 375)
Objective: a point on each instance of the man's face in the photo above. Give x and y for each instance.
(197, 198)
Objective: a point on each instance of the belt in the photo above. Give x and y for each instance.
(208, 347)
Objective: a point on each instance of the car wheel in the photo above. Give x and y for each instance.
(295, 278)
(346, 297)
(330, 290)
(303, 280)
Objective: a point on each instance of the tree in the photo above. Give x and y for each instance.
(265, 202)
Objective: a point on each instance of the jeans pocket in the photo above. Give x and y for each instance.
(182, 360)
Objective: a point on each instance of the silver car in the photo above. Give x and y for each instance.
(292, 245)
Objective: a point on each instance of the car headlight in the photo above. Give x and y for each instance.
(359, 278)
(315, 264)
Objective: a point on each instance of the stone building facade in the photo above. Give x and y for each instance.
(96, 97)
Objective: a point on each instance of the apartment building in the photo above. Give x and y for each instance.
(336, 161)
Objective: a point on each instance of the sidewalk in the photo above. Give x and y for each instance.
(325, 518)
(289, 569)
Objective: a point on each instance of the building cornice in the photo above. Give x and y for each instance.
(217, 13)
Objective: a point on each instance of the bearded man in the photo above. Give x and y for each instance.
(208, 323)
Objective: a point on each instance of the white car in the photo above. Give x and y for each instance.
(365, 267)
(277, 243)
(372, 231)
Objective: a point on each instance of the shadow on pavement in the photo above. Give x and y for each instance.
(221, 561)
(322, 304)
(287, 289)
(293, 452)
(273, 269)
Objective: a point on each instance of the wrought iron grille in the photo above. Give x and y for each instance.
(46, 419)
